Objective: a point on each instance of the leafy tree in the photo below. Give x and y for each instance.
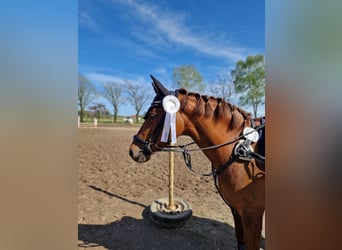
(249, 79)
(112, 91)
(86, 93)
(188, 77)
(137, 96)
(224, 88)
(98, 110)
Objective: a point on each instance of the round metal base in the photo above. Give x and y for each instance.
(164, 216)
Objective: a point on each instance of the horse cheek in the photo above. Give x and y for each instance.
(179, 125)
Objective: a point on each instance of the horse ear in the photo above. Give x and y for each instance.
(158, 87)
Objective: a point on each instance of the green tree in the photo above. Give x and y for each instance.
(99, 110)
(86, 93)
(187, 76)
(112, 91)
(249, 80)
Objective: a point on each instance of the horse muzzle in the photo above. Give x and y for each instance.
(139, 155)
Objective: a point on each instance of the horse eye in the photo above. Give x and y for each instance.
(153, 115)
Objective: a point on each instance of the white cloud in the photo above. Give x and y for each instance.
(102, 78)
(173, 27)
(160, 71)
(86, 18)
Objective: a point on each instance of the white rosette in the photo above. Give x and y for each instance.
(171, 105)
(251, 134)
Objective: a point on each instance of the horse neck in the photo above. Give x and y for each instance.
(209, 131)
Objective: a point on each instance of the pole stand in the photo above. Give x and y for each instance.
(170, 212)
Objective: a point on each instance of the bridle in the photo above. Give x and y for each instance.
(146, 144)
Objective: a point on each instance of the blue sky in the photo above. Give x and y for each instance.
(127, 40)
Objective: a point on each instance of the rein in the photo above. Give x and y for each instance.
(173, 148)
(187, 156)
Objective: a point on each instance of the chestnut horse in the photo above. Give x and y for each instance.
(211, 121)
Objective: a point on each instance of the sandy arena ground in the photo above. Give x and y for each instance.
(115, 193)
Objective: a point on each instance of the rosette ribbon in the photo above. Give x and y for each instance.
(171, 105)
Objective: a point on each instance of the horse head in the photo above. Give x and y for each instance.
(147, 140)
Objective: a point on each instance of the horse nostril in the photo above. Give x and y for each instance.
(131, 152)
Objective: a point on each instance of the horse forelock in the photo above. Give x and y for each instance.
(212, 107)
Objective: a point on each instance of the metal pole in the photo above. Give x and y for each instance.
(171, 167)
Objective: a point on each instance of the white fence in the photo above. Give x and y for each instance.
(87, 124)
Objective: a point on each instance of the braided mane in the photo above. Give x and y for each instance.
(222, 109)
